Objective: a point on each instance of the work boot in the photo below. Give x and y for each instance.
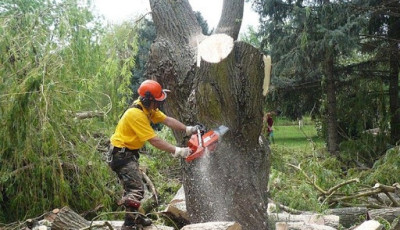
(142, 220)
(134, 217)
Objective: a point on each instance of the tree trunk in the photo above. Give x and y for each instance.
(331, 117)
(394, 56)
(231, 183)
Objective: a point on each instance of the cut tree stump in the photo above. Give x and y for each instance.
(214, 226)
(349, 216)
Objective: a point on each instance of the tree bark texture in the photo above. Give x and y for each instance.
(68, 219)
(347, 216)
(229, 184)
(388, 214)
(331, 116)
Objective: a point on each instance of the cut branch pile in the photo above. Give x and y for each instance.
(377, 197)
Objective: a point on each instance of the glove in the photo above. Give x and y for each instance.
(191, 130)
(182, 152)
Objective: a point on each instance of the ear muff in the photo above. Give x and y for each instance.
(147, 99)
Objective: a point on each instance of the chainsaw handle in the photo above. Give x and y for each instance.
(199, 138)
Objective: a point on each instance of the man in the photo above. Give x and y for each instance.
(133, 130)
(268, 120)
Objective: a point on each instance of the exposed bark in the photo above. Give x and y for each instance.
(231, 18)
(225, 93)
(331, 117)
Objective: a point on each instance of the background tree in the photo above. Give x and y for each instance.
(382, 41)
(228, 92)
(308, 40)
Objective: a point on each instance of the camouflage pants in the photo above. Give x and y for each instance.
(126, 165)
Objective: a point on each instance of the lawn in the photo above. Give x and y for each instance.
(289, 134)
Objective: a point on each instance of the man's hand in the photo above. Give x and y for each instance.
(191, 130)
(182, 152)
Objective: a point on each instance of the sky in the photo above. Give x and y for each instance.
(116, 11)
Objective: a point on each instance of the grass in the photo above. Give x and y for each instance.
(287, 133)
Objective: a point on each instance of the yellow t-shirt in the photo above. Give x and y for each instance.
(134, 128)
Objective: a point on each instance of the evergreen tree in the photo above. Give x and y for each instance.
(308, 40)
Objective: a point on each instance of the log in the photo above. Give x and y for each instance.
(214, 226)
(329, 220)
(176, 209)
(369, 225)
(347, 216)
(388, 214)
(66, 218)
(117, 225)
(384, 199)
(301, 226)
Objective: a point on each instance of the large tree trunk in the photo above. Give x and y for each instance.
(331, 116)
(230, 184)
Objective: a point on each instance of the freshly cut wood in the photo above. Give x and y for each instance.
(214, 226)
(267, 74)
(177, 207)
(348, 216)
(388, 214)
(301, 226)
(68, 219)
(369, 225)
(329, 220)
(215, 48)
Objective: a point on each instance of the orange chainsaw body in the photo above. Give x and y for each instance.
(198, 143)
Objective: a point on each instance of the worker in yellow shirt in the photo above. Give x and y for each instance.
(133, 130)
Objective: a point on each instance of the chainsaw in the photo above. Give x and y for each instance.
(202, 141)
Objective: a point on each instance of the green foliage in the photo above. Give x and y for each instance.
(55, 63)
(386, 170)
(290, 163)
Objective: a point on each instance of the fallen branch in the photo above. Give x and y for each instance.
(88, 114)
(151, 185)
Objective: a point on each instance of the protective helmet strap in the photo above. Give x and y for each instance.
(147, 99)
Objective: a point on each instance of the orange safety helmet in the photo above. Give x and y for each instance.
(155, 90)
